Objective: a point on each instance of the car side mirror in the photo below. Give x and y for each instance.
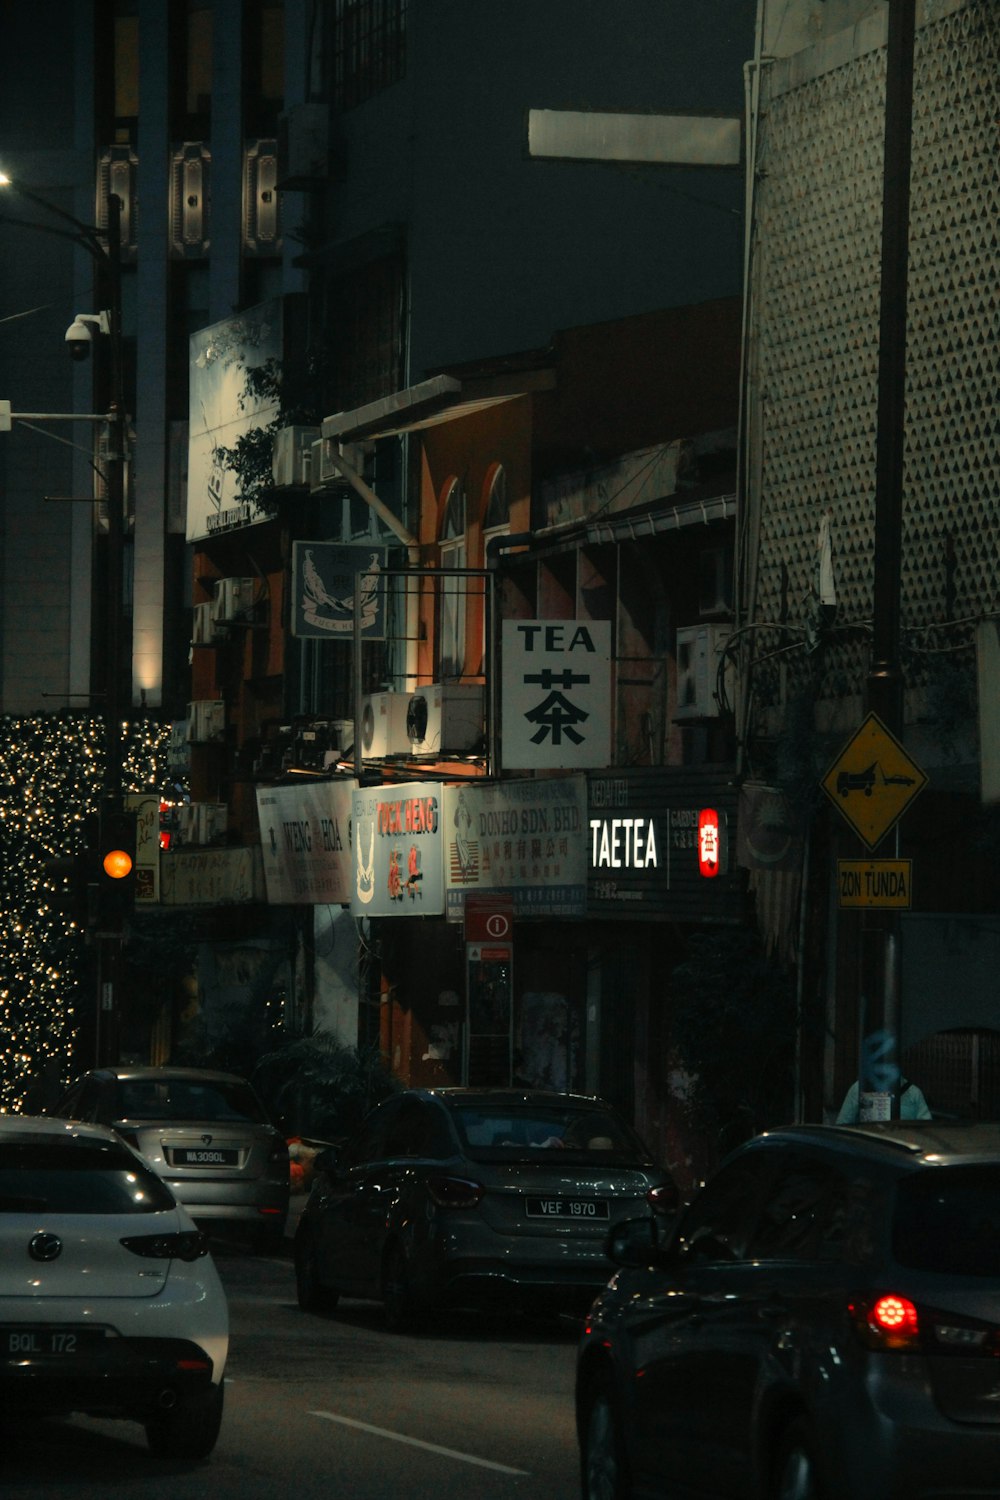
(326, 1160)
(635, 1242)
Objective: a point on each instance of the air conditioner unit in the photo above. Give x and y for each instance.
(203, 632)
(291, 460)
(202, 822)
(303, 146)
(699, 655)
(206, 724)
(383, 724)
(445, 717)
(234, 598)
(324, 473)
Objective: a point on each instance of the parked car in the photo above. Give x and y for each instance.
(109, 1301)
(454, 1195)
(823, 1322)
(206, 1133)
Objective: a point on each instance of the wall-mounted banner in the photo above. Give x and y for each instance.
(643, 846)
(526, 837)
(556, 694)
(305, 841)
(212, 877)
(398, 863)
(147, 845)
(324, 578)
(221, 411)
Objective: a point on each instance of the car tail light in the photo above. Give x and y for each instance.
(454, 1192)
(663, 1199)
(892, 1322)
(186, 1244)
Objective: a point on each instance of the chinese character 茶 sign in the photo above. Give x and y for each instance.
(556, 694)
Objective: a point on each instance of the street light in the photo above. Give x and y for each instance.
(104, 248)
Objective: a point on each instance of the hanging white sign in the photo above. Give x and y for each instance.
(556, 694)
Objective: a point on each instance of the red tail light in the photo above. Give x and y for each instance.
(454, 1192)
(663, 1199)
(889, 1321)
(188, 1244)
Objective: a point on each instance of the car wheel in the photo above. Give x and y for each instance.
(397, 1291)
(603, 1465)
(312, 1295)
(188, 1429)
(795, 1472)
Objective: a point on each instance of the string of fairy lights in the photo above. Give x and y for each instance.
(51, 780)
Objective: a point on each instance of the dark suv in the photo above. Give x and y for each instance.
(823, 1321)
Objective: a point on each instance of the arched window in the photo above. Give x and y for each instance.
(496, 509)
(451, 618)
(496, 522)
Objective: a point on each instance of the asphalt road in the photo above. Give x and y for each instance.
(326, 1406)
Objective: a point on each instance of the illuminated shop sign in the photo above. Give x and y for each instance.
(658, 846)
(711, 839)
(397, 857)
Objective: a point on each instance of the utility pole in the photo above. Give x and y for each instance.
(878, 1070)
(104, 248)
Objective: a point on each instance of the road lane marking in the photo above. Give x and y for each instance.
(399, 1437)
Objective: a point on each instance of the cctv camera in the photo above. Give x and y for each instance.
(78, 339)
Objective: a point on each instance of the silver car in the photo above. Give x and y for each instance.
(206, 1133)
(458, 1195)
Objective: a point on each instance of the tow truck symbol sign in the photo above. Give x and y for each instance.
(865, 781)
(873, 780)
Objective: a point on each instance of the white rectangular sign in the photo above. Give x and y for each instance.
(556, 695)
(305, 840)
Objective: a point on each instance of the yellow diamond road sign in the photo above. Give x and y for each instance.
(873, 781)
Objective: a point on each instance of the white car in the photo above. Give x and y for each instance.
(109, 1301)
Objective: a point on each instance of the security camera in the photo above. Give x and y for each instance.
(79, 339)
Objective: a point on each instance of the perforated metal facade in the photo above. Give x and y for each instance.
(814, 328)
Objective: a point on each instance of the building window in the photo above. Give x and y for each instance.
(451, 599)
(496, 522)
(368, 48)
(364, 321)
(496, 507)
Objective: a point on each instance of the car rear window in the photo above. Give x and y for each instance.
(182, 1099)
(948, 1219)
(506, 1131)
(77, 1177)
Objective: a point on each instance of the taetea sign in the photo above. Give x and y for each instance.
(556, 694)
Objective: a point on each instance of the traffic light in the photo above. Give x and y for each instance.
(115, 873)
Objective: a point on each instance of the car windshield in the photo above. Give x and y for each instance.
(187, 1099)
(948, 1219)
(492, 1132)
(77, 1177)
